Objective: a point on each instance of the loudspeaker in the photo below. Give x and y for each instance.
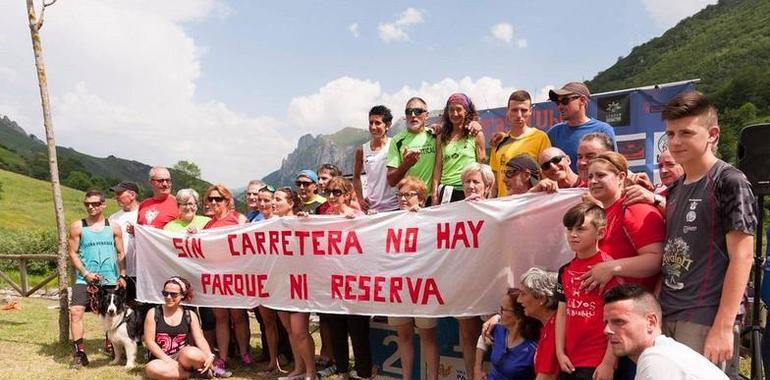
(754, 156)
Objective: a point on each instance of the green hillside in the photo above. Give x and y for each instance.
(726, 45)
(27, 204)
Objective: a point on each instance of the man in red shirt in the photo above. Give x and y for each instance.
(161, 208)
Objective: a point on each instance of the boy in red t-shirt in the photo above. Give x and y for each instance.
(581, 346)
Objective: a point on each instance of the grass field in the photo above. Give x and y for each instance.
(27, 203)
(29, 347)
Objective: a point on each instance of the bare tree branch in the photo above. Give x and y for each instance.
(42, 12)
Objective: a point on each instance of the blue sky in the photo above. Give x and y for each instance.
(231, 85)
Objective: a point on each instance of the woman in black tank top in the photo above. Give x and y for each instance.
(169, 332)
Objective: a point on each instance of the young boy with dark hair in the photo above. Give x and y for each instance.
(710, 224)
(581, 346)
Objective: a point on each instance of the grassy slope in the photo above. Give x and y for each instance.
(26, 203)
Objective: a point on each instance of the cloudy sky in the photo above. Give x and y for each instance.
(231, 85)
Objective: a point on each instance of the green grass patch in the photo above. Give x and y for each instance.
(27, 204)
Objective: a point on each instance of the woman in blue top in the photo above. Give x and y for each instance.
(513, 343)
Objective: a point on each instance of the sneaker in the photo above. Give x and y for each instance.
(218, 369)
(79, 360)
(246, 359)
(328, 371)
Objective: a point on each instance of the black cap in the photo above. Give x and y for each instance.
(123, 186)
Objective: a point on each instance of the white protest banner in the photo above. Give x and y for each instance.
(451, 260)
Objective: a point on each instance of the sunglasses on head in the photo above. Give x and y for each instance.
(215, 199)
(415, 111)
(92, 204)
(564, 100)
(335, 192)
(554, 160)
(267, 188)
(169, 294)
(304, 183)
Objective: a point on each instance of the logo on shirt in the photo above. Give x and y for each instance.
(150, 215)
(676, 263)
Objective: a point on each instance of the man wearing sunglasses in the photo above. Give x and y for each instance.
(307, 189)
(558, 174)
(412, 152)
(162, 207)
(96, 253)
(521, 138)
(573, 99)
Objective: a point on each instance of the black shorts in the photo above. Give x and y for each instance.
(81, 297)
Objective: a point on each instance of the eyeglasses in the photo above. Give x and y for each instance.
(189, 204)
(504, 309)
(564, 100)
(335, 192)
(304, 183)
(407, 195)
(415, 111)
(215, 199)
(169, 294)
(268, 188)
(512, 172)
(554, 160)
(162, 180)
(92, 204)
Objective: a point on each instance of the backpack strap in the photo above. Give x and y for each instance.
(504, 141)
(84, 223)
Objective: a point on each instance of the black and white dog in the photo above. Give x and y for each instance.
(122, 324)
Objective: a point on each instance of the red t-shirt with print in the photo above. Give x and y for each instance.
(629, 228)
(584, 341)
(153, 212)
(231, 219)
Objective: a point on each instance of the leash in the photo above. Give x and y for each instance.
(93, 299)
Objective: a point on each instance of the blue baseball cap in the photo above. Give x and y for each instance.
(309, 174)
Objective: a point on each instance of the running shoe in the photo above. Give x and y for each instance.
(218, 369)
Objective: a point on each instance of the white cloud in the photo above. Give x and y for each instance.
(666, 13)
(502, 31)
(346, 101)
(522, 43)
(396, 30)
(121, 90)
(353, 28)
(542, 94)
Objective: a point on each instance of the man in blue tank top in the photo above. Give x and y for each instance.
(96, 252)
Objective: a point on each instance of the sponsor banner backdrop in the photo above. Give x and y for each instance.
(453, 260)
(630, 112)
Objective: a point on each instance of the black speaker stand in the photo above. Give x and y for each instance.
(756, 328)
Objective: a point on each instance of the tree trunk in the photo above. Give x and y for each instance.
(61, 266)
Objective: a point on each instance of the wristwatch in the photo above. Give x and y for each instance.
(657, 199)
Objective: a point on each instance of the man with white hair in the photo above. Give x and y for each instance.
(162, 207)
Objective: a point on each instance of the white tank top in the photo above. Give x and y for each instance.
(381, 196)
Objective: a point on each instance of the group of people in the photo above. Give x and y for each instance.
(672, 259)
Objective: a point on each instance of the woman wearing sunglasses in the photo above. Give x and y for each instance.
(221, 202)
(455, 149)
(286, 202)
(172, 334)
(339, 192)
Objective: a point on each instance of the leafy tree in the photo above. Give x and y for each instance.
(78, 180)
(189, 168)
